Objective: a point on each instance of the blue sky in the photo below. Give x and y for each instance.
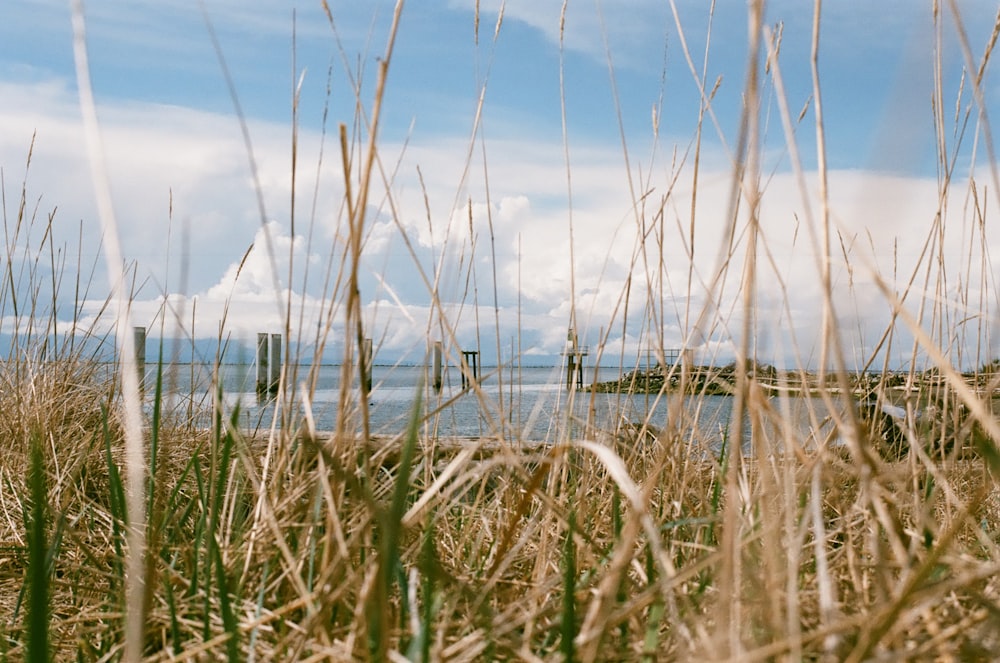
(178, 168)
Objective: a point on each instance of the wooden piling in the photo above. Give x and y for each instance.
(470, 368)
(366, 366)
(275, 374)
(262, 373)
(436, 379)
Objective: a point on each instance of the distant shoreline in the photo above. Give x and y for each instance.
(712, 380)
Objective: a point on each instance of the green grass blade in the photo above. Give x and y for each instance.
(429, 563)
(391, 523)
(652, 638)
(229, 622)
(175, 625)
(255, 632)
(116, 501)
(38, 567)
(154, 433)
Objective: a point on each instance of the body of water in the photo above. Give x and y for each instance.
(527, 403)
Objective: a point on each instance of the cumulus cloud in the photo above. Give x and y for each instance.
(178, 175)
(629, 256)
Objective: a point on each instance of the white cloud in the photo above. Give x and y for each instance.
(887, 217)
(163, 162)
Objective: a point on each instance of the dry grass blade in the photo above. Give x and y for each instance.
(816, 510)
(136, 463)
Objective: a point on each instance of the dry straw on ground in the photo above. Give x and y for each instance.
(770, 541)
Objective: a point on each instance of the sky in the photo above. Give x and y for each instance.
(533, 173)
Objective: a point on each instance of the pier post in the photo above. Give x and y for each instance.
(470, 368)
(366, 366)
(275, 374)
(436, 378)
(574, 360)
(262, 373)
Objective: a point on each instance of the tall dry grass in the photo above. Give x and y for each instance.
(675, 541)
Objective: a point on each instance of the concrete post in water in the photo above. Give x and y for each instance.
(262, 373)
(366, 366)
(437, 375)
(139, 338)
(275, 375)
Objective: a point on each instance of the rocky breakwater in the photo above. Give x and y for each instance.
(718, 380)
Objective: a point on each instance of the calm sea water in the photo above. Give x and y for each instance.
(530, 403)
